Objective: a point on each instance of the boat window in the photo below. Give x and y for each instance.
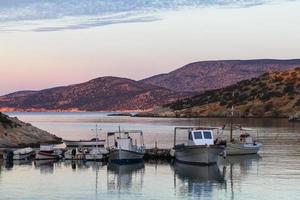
(190, 136)
(198, 135)
(207, 134)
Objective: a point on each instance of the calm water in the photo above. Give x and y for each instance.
(274, 174)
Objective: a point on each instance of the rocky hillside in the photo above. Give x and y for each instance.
(101, 94)
(208, 75)
(275, 94)
(15, 133)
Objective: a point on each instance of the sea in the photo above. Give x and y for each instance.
(272, 174)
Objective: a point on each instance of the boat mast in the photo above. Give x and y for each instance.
(231, 120)
(96, 132)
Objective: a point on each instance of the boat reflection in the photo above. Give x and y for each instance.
(22, 162)
(83, 165)
(124, 177)
(236, 169)
(195, 180)
(45, 166)
(244, 161)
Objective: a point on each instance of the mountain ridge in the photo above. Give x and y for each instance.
(111, 93)
(197, 76)
(100, 94)
(273, 94)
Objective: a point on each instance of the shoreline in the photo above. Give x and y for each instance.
(120, 113)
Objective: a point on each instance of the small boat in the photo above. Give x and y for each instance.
(124, 151)
(74, 154)
(244, 146)
(85, 143)
(19, 154)
(47, 152)
(95, 154)
(87, 149)
(200, 148)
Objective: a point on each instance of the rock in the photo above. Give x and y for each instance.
(120, 115)
(15, 133)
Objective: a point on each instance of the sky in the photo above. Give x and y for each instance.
(48, 43)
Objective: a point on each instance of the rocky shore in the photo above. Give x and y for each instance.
(15, 133)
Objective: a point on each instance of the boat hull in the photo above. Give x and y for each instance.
(121, 156)
(23, 156)
(198, 154)
(19, 155)
(70, 156)
(93, 157)
(242, 149)
(46, 156)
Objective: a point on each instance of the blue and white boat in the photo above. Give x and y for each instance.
(124, 150)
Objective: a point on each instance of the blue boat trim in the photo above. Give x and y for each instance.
(126, 161)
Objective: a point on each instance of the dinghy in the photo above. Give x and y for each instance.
(47, 152)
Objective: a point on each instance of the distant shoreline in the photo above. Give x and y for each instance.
(126, 113)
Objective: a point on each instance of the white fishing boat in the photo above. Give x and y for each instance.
(95, 154)
(19, 154)
(75, 154)
(47, 152)
(124, 151)
(85, 143)
(200, 148)
(244, 145)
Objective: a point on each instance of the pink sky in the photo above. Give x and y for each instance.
(37, 60)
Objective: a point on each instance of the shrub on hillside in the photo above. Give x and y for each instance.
(289, 89)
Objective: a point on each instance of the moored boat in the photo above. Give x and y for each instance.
(19, 154)
(124, 151)
(95, 154)
(84, 143)
(47, 152)
(244, 146)
(74, 154)
(200, 148)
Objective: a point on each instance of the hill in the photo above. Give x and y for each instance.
(208, 75)
(274, 94)
(101, 94)
(15, 133)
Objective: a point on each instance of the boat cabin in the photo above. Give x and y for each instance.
(246, 138)
(124, 142)
(201, 137)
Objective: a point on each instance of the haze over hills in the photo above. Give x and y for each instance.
(274, 94)
(101, 94)
(208, 75)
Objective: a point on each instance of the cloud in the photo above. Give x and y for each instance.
(55, 15)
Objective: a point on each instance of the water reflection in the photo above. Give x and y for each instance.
(125, 177)
(195, 180)
(237, 168)
(45, 166)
